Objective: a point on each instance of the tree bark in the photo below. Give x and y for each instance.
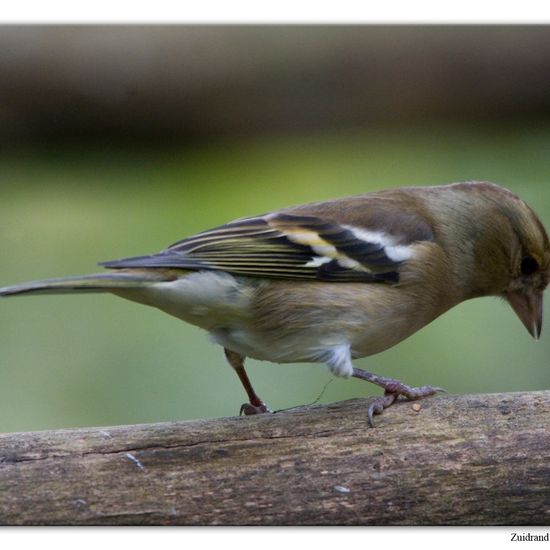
(452, 460)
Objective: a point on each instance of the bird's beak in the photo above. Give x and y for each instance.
(528, 307)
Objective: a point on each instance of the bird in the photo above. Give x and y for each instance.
(337, 280)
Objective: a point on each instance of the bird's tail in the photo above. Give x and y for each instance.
(100, 282)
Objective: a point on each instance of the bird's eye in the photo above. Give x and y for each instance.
(528, 265)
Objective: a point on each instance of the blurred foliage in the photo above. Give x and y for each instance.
(84, 360)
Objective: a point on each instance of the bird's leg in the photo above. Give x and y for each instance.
(392, 390)
(256, 405)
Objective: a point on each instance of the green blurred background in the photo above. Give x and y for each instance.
(117, 141)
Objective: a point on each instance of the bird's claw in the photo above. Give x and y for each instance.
(393, 390)
(411, 393)
(378, 406)
(248, 409)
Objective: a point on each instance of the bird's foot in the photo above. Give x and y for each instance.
(392, 390)
(379, 404)
(411, 393)
(248, 409)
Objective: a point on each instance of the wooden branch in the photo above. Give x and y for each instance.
(458, 460)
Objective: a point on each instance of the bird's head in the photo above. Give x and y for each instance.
(529, 272)
(517, 258)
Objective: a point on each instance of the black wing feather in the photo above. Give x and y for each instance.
(265, 247)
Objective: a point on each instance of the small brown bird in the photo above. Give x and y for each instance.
(331, 281)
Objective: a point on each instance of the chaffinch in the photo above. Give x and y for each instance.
(331, 281)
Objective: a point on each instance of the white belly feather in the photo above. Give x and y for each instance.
(223, 305)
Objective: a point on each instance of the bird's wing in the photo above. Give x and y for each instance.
(285, 246)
